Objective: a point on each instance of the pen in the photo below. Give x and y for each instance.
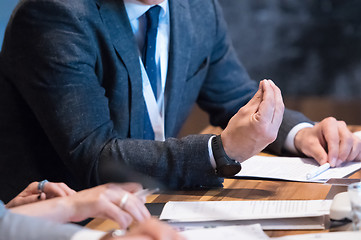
(145, 192)
(318, 171)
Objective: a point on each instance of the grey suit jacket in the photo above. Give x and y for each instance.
(71, 98)
(14, 227)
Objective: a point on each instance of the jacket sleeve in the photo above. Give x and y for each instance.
(15, 226)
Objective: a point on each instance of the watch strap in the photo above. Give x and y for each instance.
(225, 166)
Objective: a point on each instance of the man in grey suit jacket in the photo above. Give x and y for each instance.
(72, 102)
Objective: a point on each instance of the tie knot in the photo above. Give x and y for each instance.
(153, 17)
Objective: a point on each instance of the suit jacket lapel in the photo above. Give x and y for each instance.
(179, 54)
(115, 18)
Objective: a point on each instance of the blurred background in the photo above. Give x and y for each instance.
(310, 48)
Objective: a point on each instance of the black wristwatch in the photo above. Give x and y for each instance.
(226, 167)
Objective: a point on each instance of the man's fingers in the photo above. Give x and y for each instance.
(279, 105)
(330, 132)
(334, 137)
(257, 98)
(267, 105)
(346, 143)
(318, 153)
(355, 154)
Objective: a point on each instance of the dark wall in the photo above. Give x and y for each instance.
(308, 47)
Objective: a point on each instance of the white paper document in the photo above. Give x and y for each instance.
(323, 236)
(299, 223)
(250, 232)
(358, 134)
(292, 168)
(243, 210)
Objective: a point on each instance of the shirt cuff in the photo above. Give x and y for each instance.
(290, 140)
(210, 152)
(87, 234)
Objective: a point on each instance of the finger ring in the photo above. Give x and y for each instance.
(41, 186)
(118, 233)
(123, 201)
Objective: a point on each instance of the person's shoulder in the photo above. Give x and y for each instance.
(78, 7)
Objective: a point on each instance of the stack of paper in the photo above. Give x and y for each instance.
(293, 214)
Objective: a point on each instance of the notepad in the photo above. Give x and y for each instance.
(291, 214)
(292, 168)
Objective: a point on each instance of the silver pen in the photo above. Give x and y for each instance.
(145, 192)
(318, 171)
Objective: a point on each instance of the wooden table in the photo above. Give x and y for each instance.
(241, 189)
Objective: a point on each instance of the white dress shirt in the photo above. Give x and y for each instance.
(136, 11)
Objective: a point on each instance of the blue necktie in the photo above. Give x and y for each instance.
(152, 16)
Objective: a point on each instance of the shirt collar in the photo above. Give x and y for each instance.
(135, 8)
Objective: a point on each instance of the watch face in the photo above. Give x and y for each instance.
(229, 169)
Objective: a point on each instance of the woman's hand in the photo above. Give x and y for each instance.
(31, 193)
(151, 229)
(113, 201)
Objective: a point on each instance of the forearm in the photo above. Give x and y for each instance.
(180, 163)
(57, 210)
(15, 226)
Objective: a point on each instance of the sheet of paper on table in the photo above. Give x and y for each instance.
(292, 214)
(303, 223)
(292, 168)
(323, 236)
(254, 232)
(250, 232)
(358, 134)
